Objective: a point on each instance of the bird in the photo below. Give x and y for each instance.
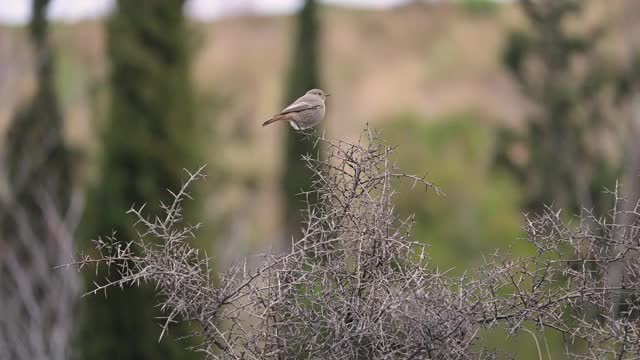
(304, 113)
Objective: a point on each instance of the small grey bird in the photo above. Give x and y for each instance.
(304, 113)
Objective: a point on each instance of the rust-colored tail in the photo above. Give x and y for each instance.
(274, 119)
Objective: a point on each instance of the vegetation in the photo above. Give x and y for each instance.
(356, 285)
(476, 217)
(480, 7)
(561, 71)
(149, 138)
(37, 156)
(303, 76)
(37, 218)
(376, 267)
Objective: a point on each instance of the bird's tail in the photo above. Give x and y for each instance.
(274, 119)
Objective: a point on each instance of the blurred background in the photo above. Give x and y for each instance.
(509, 105)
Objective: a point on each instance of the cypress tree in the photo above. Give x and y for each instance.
(564, 167)
(303, 76)
(147, 143)
(37, 157)
(38, 174)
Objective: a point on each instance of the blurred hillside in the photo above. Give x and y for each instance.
(421, 59)
(431, 58)
(427, 60)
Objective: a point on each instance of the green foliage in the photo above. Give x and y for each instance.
(37, 157)
(151, 136)
(480, 212)
(39, 181)
(527, 345)
(561, 71)
(479, 7)
(303, 76)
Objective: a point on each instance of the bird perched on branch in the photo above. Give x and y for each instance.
(304, 113)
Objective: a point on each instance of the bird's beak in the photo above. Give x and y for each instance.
(327, 95)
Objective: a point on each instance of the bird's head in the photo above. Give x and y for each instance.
(318, 92)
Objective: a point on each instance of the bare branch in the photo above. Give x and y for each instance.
(355, 285)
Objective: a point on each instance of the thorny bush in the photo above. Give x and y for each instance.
(356, 286)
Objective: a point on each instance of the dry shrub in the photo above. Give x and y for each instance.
(356, 286)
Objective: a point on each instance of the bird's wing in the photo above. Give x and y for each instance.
(299, 106)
